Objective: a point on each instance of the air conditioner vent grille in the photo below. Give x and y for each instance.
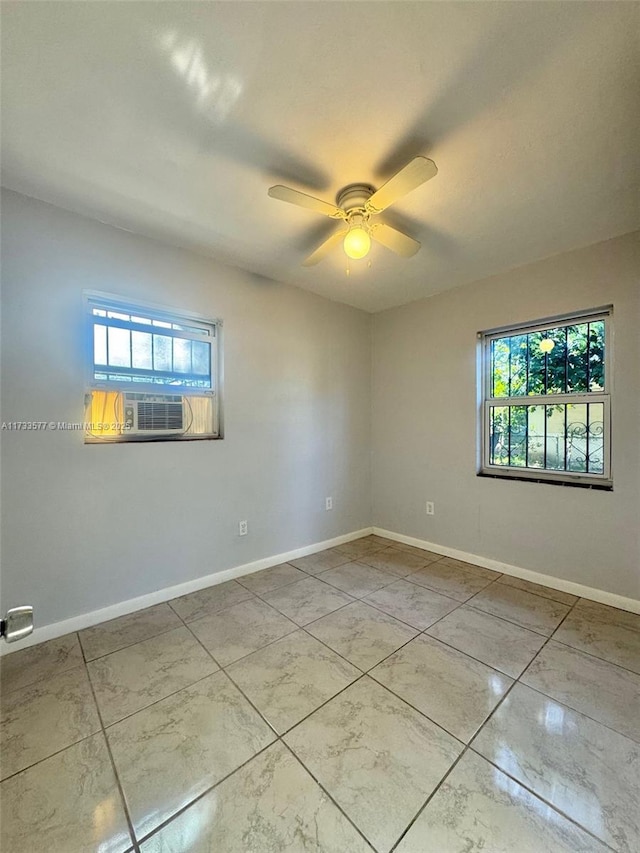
(160, 416)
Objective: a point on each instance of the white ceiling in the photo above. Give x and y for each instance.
(173, 119)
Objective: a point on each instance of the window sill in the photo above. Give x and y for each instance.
(605, 486)
(154, 439)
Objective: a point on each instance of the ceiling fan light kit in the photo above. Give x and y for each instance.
(357, 243)
(352, 200)
(356, 204)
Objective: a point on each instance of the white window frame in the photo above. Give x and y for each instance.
(604, 480)
(99, 299)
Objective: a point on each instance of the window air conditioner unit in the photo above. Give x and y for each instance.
(153, 414)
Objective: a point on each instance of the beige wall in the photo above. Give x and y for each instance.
(425, 424)
(88, 526)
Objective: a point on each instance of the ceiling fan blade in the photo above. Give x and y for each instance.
(304, 200)
(395, 240)
(324, 248)
(419, 170)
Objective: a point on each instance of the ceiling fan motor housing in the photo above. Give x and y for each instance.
(354, 196)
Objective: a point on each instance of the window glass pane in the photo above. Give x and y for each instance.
(500, 367)
(577, 437)
(577, 358)
(161, 352)
(596, 438)
(596, 356)
(556, 363)
(99, 344)
(560, 360)
(141, 350)
(201, 358)
(499, 435)
(558, 437)
(518, 436)
(535, 436)
(154, 357)
(555, 437)
(119, 347)
(518, 365)
(537, 373)
(181, 355)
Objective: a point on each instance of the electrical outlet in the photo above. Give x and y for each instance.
(431, 508)
(243, 528)
(328, 503)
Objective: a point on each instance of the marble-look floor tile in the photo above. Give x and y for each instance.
(412, 604)
(307, 600)
(170, 753)
(127, 630)
(313, 564)
(291, 677)
(272, 578)
(457, 580)
(493, 641)
(480, 810)
(210, 600)
(45, 717)
(69, 803)
(361, 634)
(448, 686)
(358, 547)
(233, 633)
(524, 608)
(538, 589)
(378, 758)
(605, 632)
(395, 561)
(594, 687)
(357, 579)
(271, 805)
(26, 666)
(130, 679)
(585, 770)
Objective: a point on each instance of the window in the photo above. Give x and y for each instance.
(152, 373)
(546, 409)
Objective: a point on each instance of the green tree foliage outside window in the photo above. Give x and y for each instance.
(575, 365)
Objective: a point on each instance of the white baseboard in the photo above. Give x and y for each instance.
(122, 608)
(599, 595)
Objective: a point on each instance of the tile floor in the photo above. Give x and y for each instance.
(370, 697)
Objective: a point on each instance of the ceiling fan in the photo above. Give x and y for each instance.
(356, 204)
